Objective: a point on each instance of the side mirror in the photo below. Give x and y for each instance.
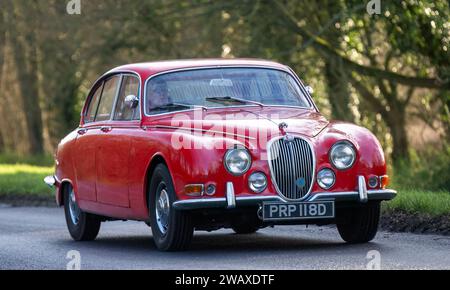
(131, 101)
(309, 89)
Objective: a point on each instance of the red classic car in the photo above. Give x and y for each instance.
(208, 144)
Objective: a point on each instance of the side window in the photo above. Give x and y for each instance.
(93, 104)
(107, 99)
(127, 110)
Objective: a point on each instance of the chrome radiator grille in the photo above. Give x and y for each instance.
(292, 166)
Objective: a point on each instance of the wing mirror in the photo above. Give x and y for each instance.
(310, 90)
(131, 101)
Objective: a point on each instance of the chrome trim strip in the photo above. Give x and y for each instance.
(352, 194)
(286, 70)
(259, 198)
(362, 189)
(231, 198)
(325, 195)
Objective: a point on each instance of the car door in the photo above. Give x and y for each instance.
(86, 147)
(113, 152)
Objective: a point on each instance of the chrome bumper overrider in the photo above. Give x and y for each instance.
(50, 180)
(231, 200)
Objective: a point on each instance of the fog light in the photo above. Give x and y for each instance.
(326, 178)
(194, 189)
(257, 182)
(210, 189)
(373, 181)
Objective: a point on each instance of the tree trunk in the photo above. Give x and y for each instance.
(26, 63)
(396, 122)
(338, 90)
(335, 74)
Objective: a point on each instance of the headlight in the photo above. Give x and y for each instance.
(257, 182)
(326, 178)
(237, 161)
(342, 155)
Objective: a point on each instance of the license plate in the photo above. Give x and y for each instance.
(297, 210)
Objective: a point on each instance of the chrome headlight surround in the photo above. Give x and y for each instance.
(237, 161)
(342, 155)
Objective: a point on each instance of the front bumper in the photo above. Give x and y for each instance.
(363, 195)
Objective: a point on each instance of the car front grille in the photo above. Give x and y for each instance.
(292, 166)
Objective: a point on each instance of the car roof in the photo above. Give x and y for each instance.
(146, 69)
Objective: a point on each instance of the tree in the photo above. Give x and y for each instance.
(22, 38)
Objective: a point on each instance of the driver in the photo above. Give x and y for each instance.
(158, 94)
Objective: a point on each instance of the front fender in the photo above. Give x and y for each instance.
(369, 161)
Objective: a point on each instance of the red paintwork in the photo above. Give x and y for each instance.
(109, 170)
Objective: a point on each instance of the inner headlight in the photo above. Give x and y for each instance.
(257, 182)
(342, 155)
(237, 161)
(326, 178)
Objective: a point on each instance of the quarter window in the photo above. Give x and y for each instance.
(93, 104)
(124, 111)
(107, 99)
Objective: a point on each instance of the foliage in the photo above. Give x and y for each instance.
(37, 160)
(428, 169)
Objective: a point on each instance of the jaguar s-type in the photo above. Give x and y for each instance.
(206, 144)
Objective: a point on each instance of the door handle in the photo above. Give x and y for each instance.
(82, 131)
(106, 129)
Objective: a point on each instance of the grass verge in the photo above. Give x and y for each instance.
(24, 182)
(433, 203)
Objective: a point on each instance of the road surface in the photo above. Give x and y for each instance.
(36, 238)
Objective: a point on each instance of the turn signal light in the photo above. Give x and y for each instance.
(384, 181)
(194, 189)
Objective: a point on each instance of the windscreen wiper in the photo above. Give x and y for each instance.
(228, 98)
(176, 105)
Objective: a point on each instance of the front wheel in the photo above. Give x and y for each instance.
(172, 229)
(359, 225)
(82, 226)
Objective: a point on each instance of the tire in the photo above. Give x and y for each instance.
(172, 229)
(82, 226)
(359, 225)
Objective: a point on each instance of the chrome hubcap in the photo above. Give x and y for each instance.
(162, 211)
(74, 210)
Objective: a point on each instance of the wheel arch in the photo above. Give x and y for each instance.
(156, 160)
(62, 187)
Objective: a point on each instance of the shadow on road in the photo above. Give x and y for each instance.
(211, 243)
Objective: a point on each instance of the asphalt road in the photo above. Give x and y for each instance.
(36, 238)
